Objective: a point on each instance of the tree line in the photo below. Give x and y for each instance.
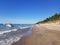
(52, 18)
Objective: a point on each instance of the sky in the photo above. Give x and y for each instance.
(27, 11)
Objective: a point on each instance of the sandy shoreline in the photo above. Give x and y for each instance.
(43, 34)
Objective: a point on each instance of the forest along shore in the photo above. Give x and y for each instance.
(43, 34)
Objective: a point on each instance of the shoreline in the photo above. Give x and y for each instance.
(22, 40)
(42, 34)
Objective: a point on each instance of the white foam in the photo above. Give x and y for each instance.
(11, 40)
(24, 27)
(6, 31)
(8, 25)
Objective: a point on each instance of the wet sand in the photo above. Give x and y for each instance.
(43, 34)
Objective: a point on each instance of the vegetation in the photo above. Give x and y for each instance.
(55, 17)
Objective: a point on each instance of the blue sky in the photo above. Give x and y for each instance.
(27, 11)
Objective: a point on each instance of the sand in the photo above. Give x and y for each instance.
(43, 34)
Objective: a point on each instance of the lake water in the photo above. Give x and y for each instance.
(14, 34)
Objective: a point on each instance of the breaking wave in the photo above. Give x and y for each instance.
(2, 32)
(8, 37)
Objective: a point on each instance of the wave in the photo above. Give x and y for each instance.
(25, 27)
(8, 37)
(11, 40)
(7, 31)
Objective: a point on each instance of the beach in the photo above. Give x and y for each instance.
(42, 34)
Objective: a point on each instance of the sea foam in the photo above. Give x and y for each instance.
(7, 31)
(8, 37)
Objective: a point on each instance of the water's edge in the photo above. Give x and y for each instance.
(21, 41)
(9, 36)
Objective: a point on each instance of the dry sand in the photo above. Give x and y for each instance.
(43, 34)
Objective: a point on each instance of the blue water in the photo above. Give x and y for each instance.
(10, 35)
